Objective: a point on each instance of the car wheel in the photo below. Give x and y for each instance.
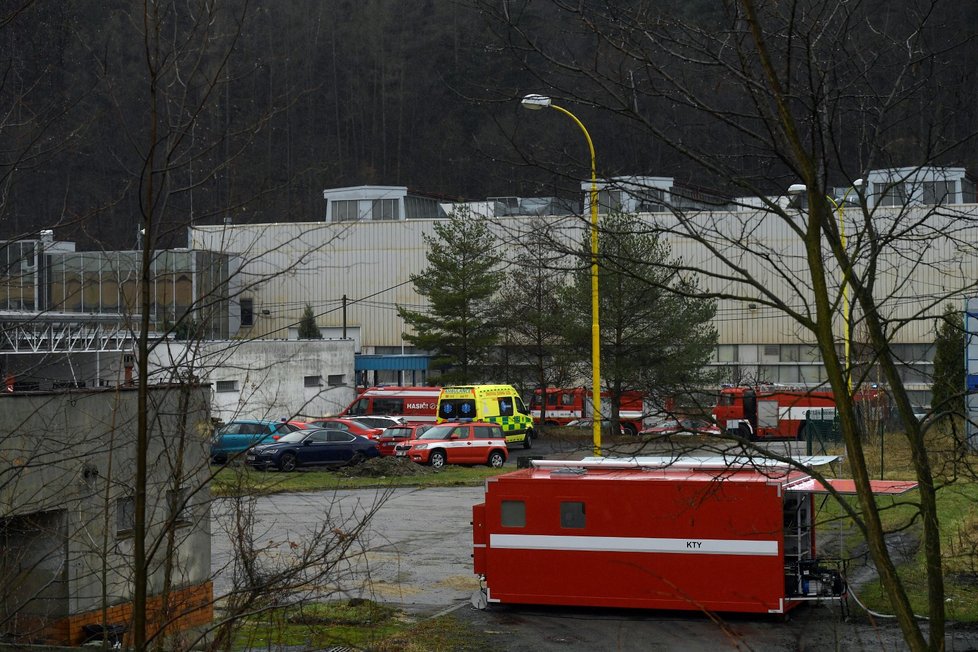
(528, 439)
(287, 462)
(357, 458)
(629, 429)
(437, 459)
(496, 459)
(803, 433)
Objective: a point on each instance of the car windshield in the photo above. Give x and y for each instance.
(397, 432)
(293, 437)
(438, 432)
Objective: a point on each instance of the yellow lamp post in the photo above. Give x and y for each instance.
(840, 211)
(535, 102)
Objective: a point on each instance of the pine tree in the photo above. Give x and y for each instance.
(459, 328)
(308, 330)
(656, 336)
(949, 369)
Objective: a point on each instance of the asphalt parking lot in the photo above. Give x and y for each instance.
(417, 554)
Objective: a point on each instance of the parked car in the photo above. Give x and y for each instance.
(377, 421)
(310, 448)
(457, 443)
(235, 437)
(349, 425)
(391, 437)
(682, 426)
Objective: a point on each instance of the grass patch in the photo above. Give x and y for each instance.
(356, 624)
(239, 480)
(889, 458)
(444, 634)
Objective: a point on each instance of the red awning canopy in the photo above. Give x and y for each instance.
(848, 487)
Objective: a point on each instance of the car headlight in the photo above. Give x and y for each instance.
(420, 447)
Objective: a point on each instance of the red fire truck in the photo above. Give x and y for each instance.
(565, 404)
(411, 404)
(657, 533)
(770, 411)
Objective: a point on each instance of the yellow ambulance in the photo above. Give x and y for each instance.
(498, 404)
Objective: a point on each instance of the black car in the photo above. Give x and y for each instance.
(312, 447)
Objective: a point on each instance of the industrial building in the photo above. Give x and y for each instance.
(354, 273)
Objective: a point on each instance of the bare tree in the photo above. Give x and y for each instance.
(143, 458)
(750, 97)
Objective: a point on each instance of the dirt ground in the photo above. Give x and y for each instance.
(385, 467)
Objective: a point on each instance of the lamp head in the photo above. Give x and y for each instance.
(796, 189)
(859, 183)
(535, 102)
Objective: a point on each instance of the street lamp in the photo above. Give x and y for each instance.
(797, 189)
(535, 102)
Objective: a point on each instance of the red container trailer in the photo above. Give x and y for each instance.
(656, 533)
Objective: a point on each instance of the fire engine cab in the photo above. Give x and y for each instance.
(768, 411)
(409, 404)
(714, 534)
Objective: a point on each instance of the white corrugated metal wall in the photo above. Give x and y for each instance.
(285, 266)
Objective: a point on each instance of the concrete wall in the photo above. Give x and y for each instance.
(67, 475)
(264, 379)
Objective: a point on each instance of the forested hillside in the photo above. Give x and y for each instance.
(247, 110)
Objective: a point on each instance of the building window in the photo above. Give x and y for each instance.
(346, 210)
(125, 516)
(572, 515)
(890, 194)
(938, 192)
(177, 503)
(650, 200)
(727, 353)
(313, 381)
(384, 209)
(334, 380)
(789, 374)
(247, 312)
(811, 374)
(223, 386)
(609, 201)
(512, 513)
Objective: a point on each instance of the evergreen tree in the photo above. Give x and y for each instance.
(537, 354)
(656, 336)
(308, 330)
(462, 276)
(949, 368)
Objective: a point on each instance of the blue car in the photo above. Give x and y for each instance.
(312, 447)
(237, 436)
